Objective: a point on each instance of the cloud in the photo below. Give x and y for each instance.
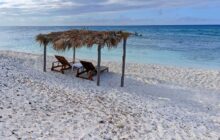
(73, 7)
(108, 11)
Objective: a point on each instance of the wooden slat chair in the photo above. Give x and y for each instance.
(60, 65)
(89, 70)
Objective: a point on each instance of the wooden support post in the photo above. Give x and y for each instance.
(45, 58)
(123, 62)
(74, 54)
(99, 63)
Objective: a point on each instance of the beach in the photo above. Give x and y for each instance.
(157, 102)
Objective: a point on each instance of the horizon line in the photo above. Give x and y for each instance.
(108, 25)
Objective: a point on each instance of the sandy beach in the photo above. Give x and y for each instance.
(157, 102)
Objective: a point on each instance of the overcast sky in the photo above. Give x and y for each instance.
(109, 12)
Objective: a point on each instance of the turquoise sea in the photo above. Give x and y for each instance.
(185, 46)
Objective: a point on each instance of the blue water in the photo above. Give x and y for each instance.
(185, 46)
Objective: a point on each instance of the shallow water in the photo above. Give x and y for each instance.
(186, 46)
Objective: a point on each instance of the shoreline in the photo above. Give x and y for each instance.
(157, 102)
(192, 66)
(51, 56)
(152, 73)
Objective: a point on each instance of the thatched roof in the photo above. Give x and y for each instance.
(79, 38)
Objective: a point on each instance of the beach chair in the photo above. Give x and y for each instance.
(89, 70)
(61, 64)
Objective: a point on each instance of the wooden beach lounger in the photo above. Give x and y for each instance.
(61, 65)
(89, 70)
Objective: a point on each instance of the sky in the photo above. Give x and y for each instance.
(108, 12)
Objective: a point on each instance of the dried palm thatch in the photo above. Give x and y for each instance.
(79, 38)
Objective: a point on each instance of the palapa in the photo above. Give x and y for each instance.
(79, 38)
(64, 40)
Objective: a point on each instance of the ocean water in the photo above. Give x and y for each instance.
(184, 46)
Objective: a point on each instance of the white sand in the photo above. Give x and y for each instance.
(157, 102)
